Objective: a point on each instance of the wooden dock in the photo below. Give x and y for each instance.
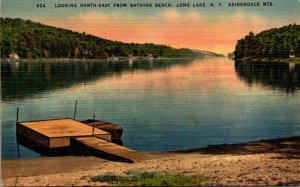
(109, 149)
(56, 133)
(59, 133)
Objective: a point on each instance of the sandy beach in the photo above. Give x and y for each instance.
(270, 162)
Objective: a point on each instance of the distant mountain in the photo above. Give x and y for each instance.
(272, 43)
(209, 53)
(27, 39)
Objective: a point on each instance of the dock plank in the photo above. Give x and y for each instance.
(110, 148)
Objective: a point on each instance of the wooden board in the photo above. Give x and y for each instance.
(23, 131)
(110, 148)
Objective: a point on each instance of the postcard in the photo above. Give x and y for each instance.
(150, 92)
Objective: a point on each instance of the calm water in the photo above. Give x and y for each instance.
(162, 105)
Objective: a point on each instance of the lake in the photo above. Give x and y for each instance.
(163, 105)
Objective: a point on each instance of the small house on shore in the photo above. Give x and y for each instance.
(14, 56)
(292, 54)
(149, 56)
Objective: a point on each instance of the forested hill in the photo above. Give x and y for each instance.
(34, 40)
(277, 43)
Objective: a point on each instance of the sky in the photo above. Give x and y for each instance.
(214, 29)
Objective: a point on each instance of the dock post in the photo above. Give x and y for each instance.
(18, 146)
(93, 125)
(17, 120)
(75, 110)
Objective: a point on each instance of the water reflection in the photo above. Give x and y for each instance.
(27, 79)
(163, 105)
(282, 76)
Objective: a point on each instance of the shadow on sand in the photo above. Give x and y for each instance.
(288, 148)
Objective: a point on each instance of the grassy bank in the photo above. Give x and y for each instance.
(295, 60)
(133, 178)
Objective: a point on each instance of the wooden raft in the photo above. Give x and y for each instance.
(57, 133)
(111, 149)
(61, 133)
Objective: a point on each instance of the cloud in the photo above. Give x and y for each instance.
(171, 27)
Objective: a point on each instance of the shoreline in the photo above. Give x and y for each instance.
(264, 162)
(295, 60)
(120, 59)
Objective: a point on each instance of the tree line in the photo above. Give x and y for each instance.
(273, 43)
(34, 40)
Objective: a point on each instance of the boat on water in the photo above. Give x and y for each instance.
(115, 130)
(113, 58)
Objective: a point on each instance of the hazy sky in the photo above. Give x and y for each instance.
(215, 29)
